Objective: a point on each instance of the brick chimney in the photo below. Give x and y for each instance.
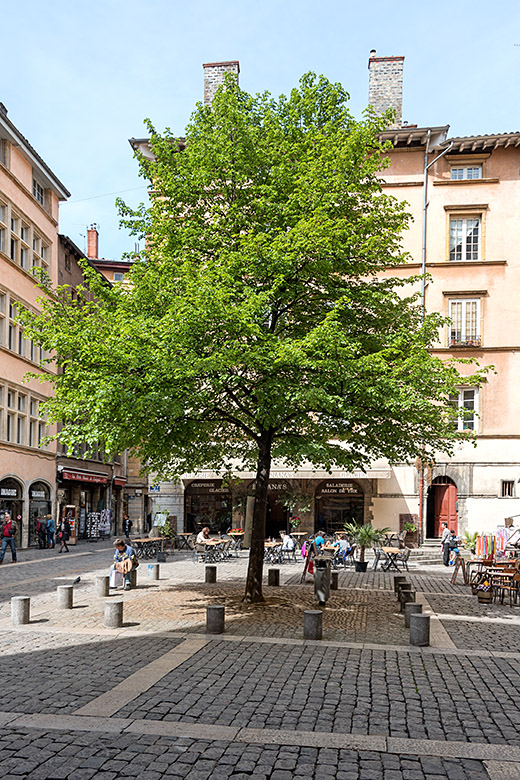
(385, 85)
(92, 242)
(214, 77)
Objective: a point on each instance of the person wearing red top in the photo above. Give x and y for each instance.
(8, 534)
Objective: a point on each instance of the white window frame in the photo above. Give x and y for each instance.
(38, 192)
(467, 336)
(461, 239)
(468, 172)
(461, 400)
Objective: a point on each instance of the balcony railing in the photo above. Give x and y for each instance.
(474, 341)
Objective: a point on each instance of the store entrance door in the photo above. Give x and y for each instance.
(441, 506)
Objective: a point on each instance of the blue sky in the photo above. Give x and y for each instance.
(79, 78)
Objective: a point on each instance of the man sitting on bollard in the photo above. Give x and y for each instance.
(125, 561)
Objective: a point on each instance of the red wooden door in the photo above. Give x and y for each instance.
(445, 507)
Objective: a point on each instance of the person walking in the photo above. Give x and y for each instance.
(51, 529)
(127, 526)
(64, 534)
(41, 533)
(445, 544)
(8, 531)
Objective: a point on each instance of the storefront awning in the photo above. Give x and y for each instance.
(119, 481)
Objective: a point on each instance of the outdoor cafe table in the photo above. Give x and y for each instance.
(147, 548)
(392, 554)
(183, 540)
(298, 536)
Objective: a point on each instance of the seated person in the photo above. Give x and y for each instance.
(203, 536)
(125, 561)
(344, 546)
(319, 541)
(453, 542)
(288, 542)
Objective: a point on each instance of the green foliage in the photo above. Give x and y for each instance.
(470, 540)
(167, 530)
(410, 528)
(365, 536)
(257, 325)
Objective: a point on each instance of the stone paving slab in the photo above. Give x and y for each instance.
(52, 756)
(340, 690)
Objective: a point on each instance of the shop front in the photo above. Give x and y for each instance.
(11, 500)
(338, 502)
(207, 503)
(85, 496)
(40, 506)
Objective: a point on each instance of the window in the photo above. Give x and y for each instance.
(23, 257)
(507, 488)
(118, 277)
(21, 403)
(19, 430)
(465, 322)
(466, 400)
(465, 238)
(10, 427)
(470, 172)
(38, 192)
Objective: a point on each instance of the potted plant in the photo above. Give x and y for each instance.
(484, 592)
(364, 536)
(470, 541)
(410, 528)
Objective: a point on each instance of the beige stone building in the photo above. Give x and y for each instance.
(464, 194)
(30, 194)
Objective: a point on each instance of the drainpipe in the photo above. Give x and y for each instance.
(427, 166)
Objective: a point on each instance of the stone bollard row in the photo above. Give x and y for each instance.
(102, 585)
(133, 578)
(406, 596)
(153, 571)
(334, 580)
(420, 630)
(215, 617)
(411, 609)
(113, 614)
(20, 610)
(273, 577)
(65, 596)
(210, 574)
(398, 578)
(312, 624)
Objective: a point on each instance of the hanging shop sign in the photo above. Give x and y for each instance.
(84, 476)
(8, 493)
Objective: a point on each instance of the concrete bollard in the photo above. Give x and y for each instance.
(334, 580)
(113, 614)
(210, 574)
(20, 608)
(215, 616)
(312, 624)
(102, 585)
(411, 609)
(65, 596)
(400, 586)
(273, 577)
(406, 596)
(420, 630)
(133, 578)
(397, 579)
(153, 571)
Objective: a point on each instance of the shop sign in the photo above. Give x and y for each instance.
(119, 481)
(339, 488)
(154, 489)
(8, 492)
(208, 487)
(277, 486)
(84, 477)
(38, 494)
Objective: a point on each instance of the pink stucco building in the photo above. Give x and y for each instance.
(30, 194)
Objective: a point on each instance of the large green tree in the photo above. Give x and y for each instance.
(258, 325)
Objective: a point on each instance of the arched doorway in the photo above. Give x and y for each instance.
(39, 506)
(11, 500)
(338, 502)
(441, 506)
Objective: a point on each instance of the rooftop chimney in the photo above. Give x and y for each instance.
(214, 77)
(92, 242)
(385, 85)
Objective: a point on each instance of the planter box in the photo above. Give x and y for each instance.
(358, 566)
(485, 596)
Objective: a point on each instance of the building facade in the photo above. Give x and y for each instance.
(463, 194)
(30, 194)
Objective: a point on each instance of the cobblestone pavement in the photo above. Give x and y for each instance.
(161, 699)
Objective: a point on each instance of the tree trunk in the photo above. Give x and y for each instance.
(255, 570)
